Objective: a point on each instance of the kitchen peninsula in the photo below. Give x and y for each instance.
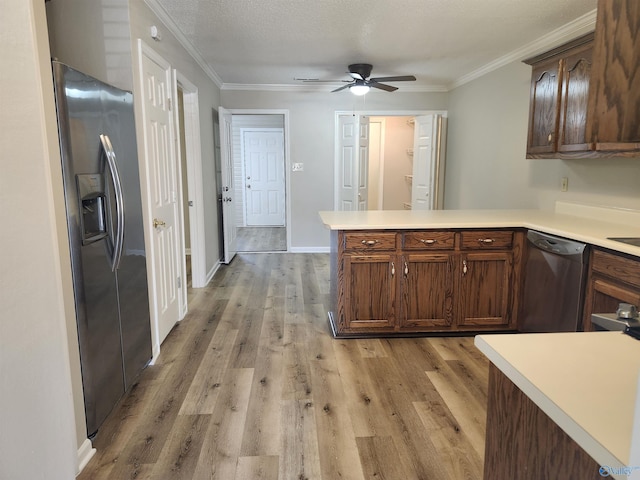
(561, 405)
(447, 271)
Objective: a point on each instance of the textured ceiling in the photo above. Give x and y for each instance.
(272, 42)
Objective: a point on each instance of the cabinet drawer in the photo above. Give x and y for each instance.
(428, 240)
(372, 241)
(486, 239)
(616, 266)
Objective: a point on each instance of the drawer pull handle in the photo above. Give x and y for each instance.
(486, 241)
(464, 267)
(393, 269)
(429, 241)
(369, 243)
(406, 269)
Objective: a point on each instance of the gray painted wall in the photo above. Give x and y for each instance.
(312, 130)
(486, 164)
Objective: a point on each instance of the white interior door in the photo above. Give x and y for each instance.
(347, 137)
(422, 184)
(163, 190)
(263, 153)
(228, 187)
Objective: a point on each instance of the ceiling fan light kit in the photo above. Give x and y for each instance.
(359, 89)
(361, 83)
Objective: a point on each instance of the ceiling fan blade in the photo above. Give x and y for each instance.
(382, 86)
(356, 76)
(342, 88)
(400, 78)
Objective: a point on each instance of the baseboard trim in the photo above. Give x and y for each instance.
(211, 273)
(310, 250)
(85, 453)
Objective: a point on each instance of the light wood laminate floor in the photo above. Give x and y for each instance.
(251, 385)
(261, 239)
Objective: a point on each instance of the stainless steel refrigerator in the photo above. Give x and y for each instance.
(104, 217)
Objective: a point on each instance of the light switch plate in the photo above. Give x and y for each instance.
(297, 167)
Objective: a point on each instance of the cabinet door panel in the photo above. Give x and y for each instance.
(370, 291)
(544, 108)
(575, 99)
(485, 279)
(427, 291)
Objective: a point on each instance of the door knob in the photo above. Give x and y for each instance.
(158, 223)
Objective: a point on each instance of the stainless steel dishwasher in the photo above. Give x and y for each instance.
(553, 289)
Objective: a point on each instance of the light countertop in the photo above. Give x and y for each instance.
(586, 224)
(586, 382)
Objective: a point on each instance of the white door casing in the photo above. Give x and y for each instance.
(195, 184)
(264, 179)
(363, 163)
(228, 187)
(421, 188)
(163, 192)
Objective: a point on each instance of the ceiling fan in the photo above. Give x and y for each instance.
(361, 82)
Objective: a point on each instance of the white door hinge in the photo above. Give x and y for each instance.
(169, 103)
(179, 279)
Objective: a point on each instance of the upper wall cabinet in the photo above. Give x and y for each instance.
(585, 95)
(559, 99)
(614, 104)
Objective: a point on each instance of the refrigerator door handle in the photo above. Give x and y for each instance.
(110, 155)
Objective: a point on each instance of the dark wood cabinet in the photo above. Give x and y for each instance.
(369, 280)
(485, 289)
(613, 279)
(614, 105)
(426, 291)
(424, 281)
(585, 95)
(559, 99)
(369, 291)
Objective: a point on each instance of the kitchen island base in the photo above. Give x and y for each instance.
(423, 282)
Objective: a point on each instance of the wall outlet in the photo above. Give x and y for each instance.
(297, 167)
(564, 184)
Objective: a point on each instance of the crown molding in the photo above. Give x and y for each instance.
(580, 26)
(310, 87)
(168, 22)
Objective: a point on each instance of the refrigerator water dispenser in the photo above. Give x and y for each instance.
(93, 216)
